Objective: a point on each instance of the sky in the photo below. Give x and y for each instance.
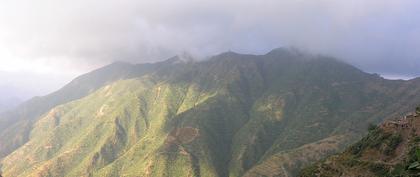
(46, 43)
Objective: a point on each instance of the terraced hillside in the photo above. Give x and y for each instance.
(231, 115)
(392, 149)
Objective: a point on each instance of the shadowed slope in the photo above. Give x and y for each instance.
(231, 115)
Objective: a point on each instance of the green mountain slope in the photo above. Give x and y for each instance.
(15, 125)
(392, 149)
(232, 115)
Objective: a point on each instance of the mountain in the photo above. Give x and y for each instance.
(16, 124)
(391, 149)
(231, 115)
(7, 103)
(9, 97)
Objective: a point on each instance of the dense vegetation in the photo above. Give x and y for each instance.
(232, 115)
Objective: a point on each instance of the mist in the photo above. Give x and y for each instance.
(63, 39)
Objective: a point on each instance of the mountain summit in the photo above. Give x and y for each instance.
(231, 115)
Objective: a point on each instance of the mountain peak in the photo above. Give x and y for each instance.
(287, 50)
(119, 63)
(184, 57)
(228, 53)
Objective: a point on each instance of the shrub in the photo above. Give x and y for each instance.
(377, 137)
(309, 171)
(379, 169)
(373, 140)
(412, 155)
(417, 139)
(418, 154)
(356, 149)
(372, 127)
(399, 170)
(393, 143)
(351, 162)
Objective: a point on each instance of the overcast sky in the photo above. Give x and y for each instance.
(52, 41)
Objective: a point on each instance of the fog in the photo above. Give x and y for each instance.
(62, 39)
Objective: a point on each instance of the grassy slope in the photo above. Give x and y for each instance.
(251, 113)
(16, 124)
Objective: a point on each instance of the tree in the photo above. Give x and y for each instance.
(418, 110)
(372, 127)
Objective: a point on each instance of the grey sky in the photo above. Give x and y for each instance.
(66, 38)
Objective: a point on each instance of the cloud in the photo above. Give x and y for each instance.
(76, 36)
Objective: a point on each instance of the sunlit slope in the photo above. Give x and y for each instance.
(83, 136)
(16, 124)
(133, 116)
(232, 115)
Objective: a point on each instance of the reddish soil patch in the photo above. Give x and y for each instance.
(179, 136)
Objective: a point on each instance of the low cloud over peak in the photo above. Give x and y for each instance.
(73, 37)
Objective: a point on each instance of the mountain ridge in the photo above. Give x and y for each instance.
(248, 111)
